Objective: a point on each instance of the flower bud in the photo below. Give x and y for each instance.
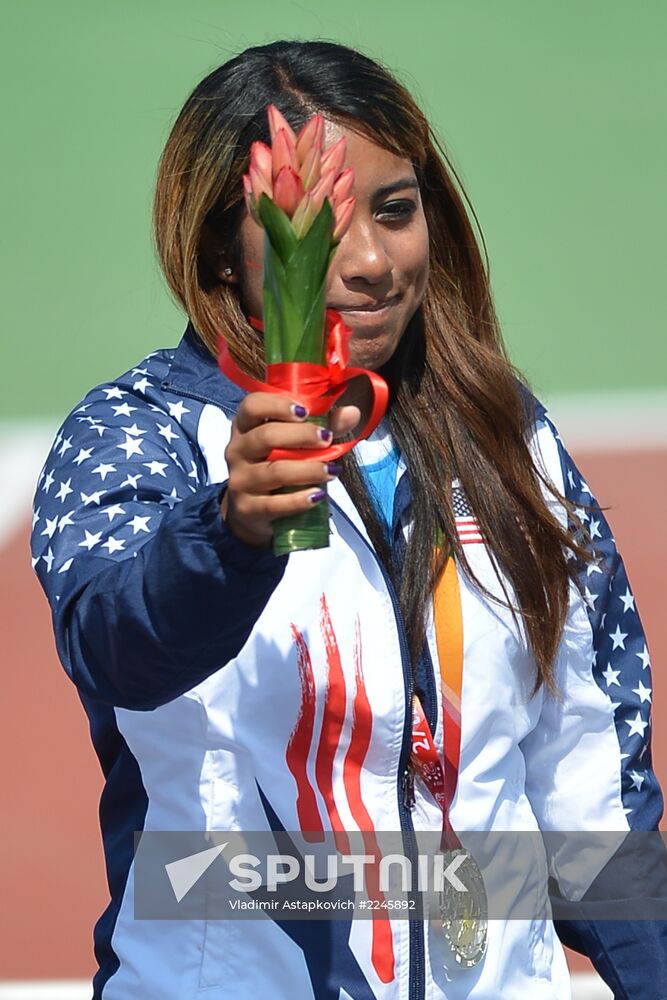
(287, 190)
(284, 154)
(310, 137)
(342, 218)
(277, 121)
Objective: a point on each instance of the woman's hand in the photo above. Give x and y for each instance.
(265, 421)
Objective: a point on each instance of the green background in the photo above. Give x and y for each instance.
(553, 114)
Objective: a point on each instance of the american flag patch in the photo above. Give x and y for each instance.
(466, 523)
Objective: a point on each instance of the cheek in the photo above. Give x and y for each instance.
(418, 264)
(251, 267)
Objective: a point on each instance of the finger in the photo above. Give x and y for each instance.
(258, 407)
(344, 419)
(256, 509)
(263, 478)
(256, 444)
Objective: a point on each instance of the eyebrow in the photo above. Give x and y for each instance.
(400, 185)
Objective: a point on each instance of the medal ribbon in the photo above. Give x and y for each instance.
(441, 782)
(316, 386)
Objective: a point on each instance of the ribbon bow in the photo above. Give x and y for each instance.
(315, 386)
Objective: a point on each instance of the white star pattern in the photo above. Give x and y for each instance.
(139, 524)
(637, 725)
(171, 500)
(64, 491)
(91, 540)
(618, 638)
(594, 529)
(644, 657)
(84, 453)
(643, 692)
(114, 511)
(131, 446)
(156, 468)
(65, 520)
(114, 544)
(628, 600)
(176, 410)
(124, 410)
(590, 598)
(103, 470)
(166, 432)
(51, 525)
(611, 676)
(93, 497)
(67, 444)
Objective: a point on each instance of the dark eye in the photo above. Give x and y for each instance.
(395, 210)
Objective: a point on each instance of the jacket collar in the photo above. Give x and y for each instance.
(195, 373)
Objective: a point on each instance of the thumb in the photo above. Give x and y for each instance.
(345, 419)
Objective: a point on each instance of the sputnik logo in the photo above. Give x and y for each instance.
(185, 872)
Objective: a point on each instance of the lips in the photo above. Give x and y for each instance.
(366, 307)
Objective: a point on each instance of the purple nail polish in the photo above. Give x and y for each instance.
(325, 434)
(299, 411)
(316, 497)
(334, 469)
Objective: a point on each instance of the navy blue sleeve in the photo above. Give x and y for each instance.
(149, 590)
(630, 955)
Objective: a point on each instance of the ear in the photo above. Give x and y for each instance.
(217, 257)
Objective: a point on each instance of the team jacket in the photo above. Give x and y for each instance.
(186, 647)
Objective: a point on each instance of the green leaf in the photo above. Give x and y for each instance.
(305, 274)
(277, 227)
(283, 325)
(312, 345)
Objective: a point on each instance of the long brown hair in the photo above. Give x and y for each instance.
(450, 369)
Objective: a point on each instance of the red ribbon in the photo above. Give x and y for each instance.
(315, 386)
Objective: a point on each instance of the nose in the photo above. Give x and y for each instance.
(362, 256)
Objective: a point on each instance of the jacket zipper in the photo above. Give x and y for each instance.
(417, 984)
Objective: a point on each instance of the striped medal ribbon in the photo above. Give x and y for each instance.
(461, 916)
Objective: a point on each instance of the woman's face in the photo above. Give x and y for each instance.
(379, 271)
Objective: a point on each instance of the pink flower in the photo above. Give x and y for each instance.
(297, 173)
(333, 158)
(342, 218)
(342, 189)
(283, 154)
(287, 191)
(278, 122)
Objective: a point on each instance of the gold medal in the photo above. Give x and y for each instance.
(463, 915)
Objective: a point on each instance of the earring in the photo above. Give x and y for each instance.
(228, 272)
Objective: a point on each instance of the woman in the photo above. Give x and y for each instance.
(231, 689)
